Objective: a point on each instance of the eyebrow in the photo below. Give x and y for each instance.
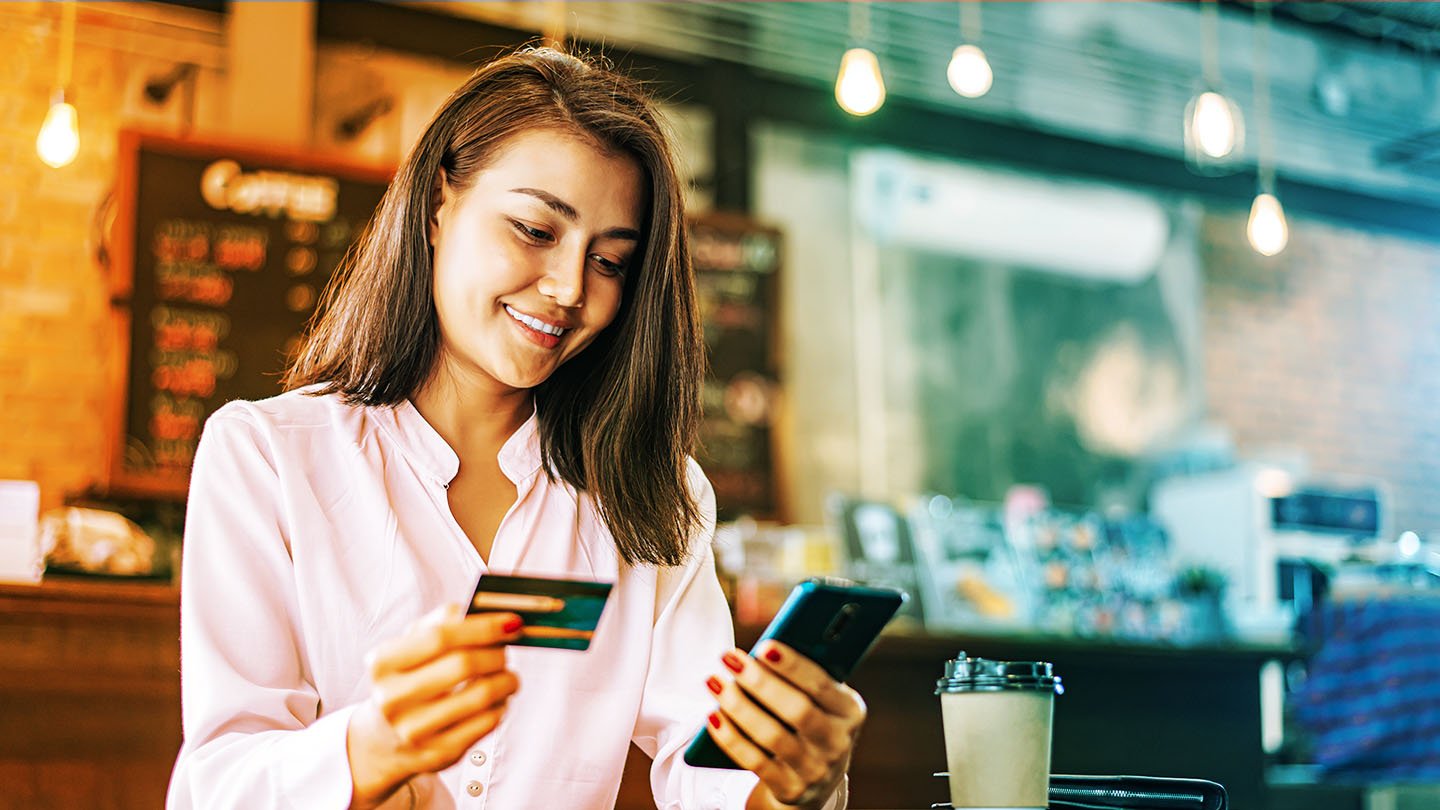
(568, 211)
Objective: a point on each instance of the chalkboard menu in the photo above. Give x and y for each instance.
(220, 255)
(736, 268)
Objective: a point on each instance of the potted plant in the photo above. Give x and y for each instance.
(1201, 590)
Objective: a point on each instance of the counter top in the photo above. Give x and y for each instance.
(89, 674)
(80, 594)
(919, 644)
(89, 692)
(60, 636)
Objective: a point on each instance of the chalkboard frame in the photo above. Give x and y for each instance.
(123, 244)
(735, 226)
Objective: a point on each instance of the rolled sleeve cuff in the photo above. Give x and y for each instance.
(315, 765)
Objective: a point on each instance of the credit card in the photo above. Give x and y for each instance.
(558, 613)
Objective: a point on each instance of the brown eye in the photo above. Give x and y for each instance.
(608, 267)
(532, 234)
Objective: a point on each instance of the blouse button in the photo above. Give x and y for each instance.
(473, 788)
(477, 758)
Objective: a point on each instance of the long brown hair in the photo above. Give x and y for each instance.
(619, 419)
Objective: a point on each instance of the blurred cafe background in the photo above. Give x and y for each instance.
(1110, 331)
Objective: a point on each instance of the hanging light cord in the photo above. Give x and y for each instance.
(1260, 77)
(859, 23)
(1210, 45)
(970, 21)
(555, 23)
(67, 43)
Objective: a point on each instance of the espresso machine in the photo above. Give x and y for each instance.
(1272, 534)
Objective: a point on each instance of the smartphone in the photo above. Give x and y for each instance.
(832, 624)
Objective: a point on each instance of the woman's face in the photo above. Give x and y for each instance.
(530, 261)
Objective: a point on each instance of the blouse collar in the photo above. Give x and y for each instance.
(519, 457)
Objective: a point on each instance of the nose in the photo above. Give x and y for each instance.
(564, 280)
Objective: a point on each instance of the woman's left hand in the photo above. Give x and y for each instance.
(801, 756)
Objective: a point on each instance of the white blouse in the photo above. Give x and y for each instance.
(317, 530)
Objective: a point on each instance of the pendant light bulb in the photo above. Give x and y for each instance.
(860, 89)
(1212, 124)
(1267, 230)
(59, 138)
(969, 72)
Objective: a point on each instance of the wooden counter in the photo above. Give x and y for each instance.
(90, 705)
(89, 694)
(1127, 709)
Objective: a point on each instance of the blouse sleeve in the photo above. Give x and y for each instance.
(253, 737)
(692, 629)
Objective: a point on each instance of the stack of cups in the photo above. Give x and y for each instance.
(997, 717)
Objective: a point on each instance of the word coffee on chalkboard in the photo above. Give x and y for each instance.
(736, 267)
(225, 253)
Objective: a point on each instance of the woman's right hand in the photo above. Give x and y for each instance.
(435, 691)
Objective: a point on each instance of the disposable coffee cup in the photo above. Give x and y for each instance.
(997, 717)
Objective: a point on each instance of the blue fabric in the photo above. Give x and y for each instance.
(1372, 700)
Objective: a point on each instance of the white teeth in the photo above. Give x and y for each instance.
(535, 323)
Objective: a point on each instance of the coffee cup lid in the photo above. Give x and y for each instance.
(966, 674)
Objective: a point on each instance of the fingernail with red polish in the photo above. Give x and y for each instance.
(713, 684)
(733, 663)
(772, 655)
(715, 719)
(513, 624)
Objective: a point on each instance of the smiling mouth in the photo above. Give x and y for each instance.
(535, 323)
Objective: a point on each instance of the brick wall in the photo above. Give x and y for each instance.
(55, 332)
(1331, 348)
(56, 348)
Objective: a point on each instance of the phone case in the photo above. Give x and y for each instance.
(831, 624)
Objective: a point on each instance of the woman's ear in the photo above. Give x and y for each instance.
(437, 198)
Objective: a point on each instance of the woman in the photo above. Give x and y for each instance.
(504, 379)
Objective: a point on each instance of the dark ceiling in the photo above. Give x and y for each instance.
(1415, 26)
(1411, 25)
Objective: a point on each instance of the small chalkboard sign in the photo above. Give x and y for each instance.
(220, 255)
(737, 265)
